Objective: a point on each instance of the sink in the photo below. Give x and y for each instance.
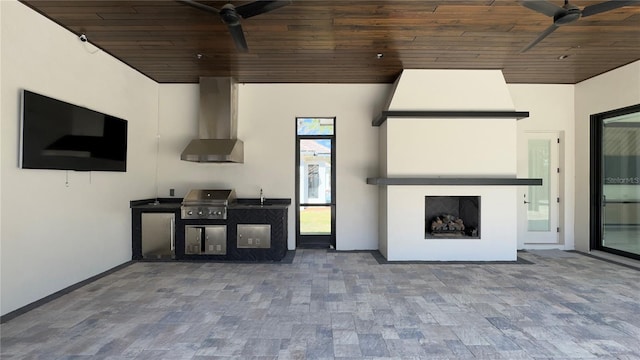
(250, 203)
(253, 205)
(256, 204)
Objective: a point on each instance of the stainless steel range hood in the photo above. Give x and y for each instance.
(218, 120)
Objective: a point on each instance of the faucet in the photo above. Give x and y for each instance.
(261, 197)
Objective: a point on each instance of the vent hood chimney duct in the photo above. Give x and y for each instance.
(218, 120)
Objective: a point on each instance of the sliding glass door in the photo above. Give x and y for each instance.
(616, 210)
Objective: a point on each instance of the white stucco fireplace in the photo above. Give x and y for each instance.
(448, 133)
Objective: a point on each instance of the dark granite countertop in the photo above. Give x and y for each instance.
(255, 204)
(160, 203)
(173, 204)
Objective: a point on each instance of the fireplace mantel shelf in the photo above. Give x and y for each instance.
(474, 181)
(492, 114)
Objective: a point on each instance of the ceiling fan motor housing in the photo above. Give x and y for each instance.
(229, 15)
(570, 14)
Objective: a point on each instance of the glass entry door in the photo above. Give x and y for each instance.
(620, 183)
(315, 179)
(539, 210)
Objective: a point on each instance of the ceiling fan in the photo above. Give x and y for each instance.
(231, 15)
(567, 14)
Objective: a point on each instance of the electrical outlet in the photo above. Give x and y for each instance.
(172, 192)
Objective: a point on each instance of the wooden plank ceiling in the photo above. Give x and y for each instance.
(339, 41)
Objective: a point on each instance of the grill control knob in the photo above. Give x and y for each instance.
(200, 212)
(189, 212)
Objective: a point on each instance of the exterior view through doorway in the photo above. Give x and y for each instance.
(315, 179)
(615, 181)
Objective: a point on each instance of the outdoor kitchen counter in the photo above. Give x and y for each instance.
(175, 203)
(250, 224)
(244, 214)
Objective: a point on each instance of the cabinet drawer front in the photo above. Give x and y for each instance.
(254, 236)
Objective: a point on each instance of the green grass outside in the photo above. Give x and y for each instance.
(315, 220)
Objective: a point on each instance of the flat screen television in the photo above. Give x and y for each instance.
(59, 135)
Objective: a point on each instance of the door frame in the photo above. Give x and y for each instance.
(522, 169)
(321, 241)
(596, 197)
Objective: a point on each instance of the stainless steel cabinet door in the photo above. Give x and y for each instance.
(215, 240)
(158, 230)
(208, 240)
(192, 239)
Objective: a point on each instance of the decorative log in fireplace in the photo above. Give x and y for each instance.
(450, 225)
(447, 223)
(452, 217)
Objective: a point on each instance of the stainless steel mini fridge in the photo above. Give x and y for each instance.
(158, 235)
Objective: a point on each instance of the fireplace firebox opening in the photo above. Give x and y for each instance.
(452, 217)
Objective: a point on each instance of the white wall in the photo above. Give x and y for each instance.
(383, 205)
(613, 90)
(266, 124)
(58, 227)
(451, 147)
(452, 89)
(550, 109)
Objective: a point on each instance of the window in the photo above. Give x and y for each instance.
(315, 179)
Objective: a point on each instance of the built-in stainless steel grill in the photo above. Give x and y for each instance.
(207, 204)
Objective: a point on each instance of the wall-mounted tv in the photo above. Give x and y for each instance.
(59, 135)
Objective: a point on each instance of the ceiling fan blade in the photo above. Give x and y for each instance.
(259, 7)
(238, 37)
(197, 5)
(544, 7)
(544, 34)
(605, 6)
